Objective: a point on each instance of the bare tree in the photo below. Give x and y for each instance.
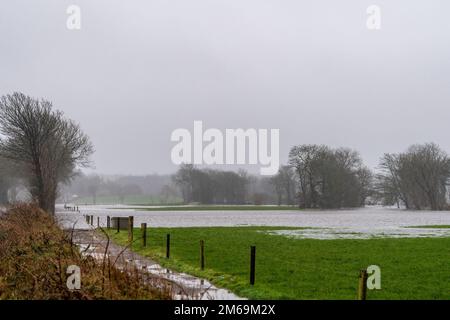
(388, 181)
(212, 186)
(184, 180)
(418, 178)
(330, 178)
(277, 182)
(305, 160)
(167, 193)
(94, 184)
(48, 146)
(9, 178)
(284, 185)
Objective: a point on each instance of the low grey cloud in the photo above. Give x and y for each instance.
(137, 70)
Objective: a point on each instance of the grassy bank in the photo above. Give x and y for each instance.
(218, 208)
(35, 254)
(302, 268)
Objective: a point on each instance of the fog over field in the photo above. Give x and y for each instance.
(137, 70)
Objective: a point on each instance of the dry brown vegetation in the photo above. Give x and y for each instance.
(35, 253)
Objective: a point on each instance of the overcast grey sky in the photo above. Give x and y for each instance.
(137, 70)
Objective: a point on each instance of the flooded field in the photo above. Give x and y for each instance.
(362, 223)
(362, 233)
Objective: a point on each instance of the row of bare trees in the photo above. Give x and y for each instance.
(316, 177)
(211, 186)
(417, 178)
(284, 185)
(329, 178)
(40, 146)
(42, 149)
(98, 189)
(321, 177)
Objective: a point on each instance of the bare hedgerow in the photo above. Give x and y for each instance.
(35, 254)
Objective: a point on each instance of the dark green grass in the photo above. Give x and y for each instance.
(217, 208)
(303, 268)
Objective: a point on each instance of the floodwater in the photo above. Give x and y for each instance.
(364, 223)
(182, 286)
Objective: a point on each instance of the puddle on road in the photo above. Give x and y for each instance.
(185, 286)
(193, 287)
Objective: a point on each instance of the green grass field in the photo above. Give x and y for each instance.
(303, 268)
(219, 208)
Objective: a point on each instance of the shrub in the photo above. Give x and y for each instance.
(35, 253)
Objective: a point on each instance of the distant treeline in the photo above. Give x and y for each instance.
(41, 151)
(315, 176)
(321, 177)
(207, 186)
(107, 189)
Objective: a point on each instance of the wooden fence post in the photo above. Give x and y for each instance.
(92, 220)
(252, 264)
(202, 255)
(98, 222)
(362, 285)
(118, 224)
(168, 246)
(144, 234)
(108, 222)
(130, 228)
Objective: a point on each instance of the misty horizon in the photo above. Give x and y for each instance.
(133, 74)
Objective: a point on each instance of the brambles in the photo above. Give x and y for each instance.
(35, 254)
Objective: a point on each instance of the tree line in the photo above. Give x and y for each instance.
(41, 151)
(318, 176)
(211, 186)
(94, 189)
